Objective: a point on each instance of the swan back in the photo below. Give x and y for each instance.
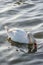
(19, 35)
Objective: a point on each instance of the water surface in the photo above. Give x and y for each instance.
(29, 16)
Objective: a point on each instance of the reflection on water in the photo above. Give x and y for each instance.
(29, 16)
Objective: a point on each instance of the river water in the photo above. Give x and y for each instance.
(27, 15)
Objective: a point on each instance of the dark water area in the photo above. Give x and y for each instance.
(27, 15)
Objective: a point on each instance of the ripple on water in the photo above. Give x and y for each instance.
(26, 15)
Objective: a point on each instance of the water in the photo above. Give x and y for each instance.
(28, 16)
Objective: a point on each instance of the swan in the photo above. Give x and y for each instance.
(19, 37)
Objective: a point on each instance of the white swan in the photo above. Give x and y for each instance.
(18, 36)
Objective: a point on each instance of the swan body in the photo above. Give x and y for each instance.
(18, 37)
